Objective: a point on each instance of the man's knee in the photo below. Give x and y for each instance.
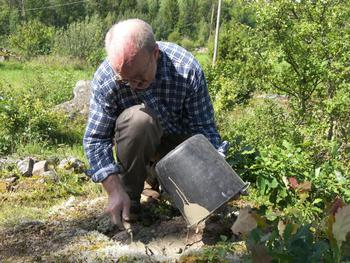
(139, 121)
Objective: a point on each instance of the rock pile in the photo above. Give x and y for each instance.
(43, 170)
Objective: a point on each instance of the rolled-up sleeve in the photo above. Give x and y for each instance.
(98, 138)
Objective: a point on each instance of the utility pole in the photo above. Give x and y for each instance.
(217, 33)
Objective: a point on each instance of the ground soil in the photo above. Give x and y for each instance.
(78, 231)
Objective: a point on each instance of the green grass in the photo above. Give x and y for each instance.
(41, 84)
(32, 198)
(10, 73)
(18, 75)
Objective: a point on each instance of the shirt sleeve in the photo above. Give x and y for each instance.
(98, 138)
(199, 108)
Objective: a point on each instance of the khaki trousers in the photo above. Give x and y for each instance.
(140, 141)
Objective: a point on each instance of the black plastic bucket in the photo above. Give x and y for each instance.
(198, 179)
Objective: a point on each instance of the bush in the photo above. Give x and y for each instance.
(32, 38)
(25, 119)
(259, 123)
(187, 44)
(228, 86)
(175, 37)
(82, 39)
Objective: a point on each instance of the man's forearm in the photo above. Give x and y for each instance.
(112, 184)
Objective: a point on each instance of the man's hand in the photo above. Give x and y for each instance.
(118, 200)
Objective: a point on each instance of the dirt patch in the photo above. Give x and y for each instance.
(79, 231)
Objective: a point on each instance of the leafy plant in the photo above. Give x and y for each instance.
(290, 242)
(32, 38)
(82, 39)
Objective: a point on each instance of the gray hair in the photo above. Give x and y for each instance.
(132, 33)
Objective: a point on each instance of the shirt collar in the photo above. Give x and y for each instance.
(163, 71)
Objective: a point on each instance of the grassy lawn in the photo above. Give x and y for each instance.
(19, 75)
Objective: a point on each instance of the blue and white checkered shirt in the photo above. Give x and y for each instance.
(178, 95)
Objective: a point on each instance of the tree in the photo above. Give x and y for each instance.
(167, 18)
(308, 51)
(9, 17)
(152, 7)
(188, 11)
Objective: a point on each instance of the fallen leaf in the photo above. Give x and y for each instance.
(244, 223)
(305, 186)
(293, 182)
(341, 226)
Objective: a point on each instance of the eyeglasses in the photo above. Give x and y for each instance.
(133, 82)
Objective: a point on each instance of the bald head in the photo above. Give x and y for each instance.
(126, 39)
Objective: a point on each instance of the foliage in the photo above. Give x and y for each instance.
(25, 119)
(226, 88)
(324, 241)
(275, 165)
(308, 50)
(26, 108)
(167, 18)
(187, 44)
(259, 123)
(301, 246)
(331, 180)
(174, 37)
(81, 40)
(32, 38)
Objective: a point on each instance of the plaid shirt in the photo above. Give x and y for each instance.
(178, 95)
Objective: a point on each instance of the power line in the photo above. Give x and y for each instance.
(47, 7)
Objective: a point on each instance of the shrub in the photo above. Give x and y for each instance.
(187, 44)
(27, 119)
(32, 38)
(175, 37)
(260, 123)
(227, 86)
(81, 39)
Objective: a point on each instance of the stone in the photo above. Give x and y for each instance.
(50, 176)
(10, 180)
(26, 166)
(7, 163)
(80, 103)
(72, 163)
(40, 167)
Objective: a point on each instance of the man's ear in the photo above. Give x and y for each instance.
(156, 51)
